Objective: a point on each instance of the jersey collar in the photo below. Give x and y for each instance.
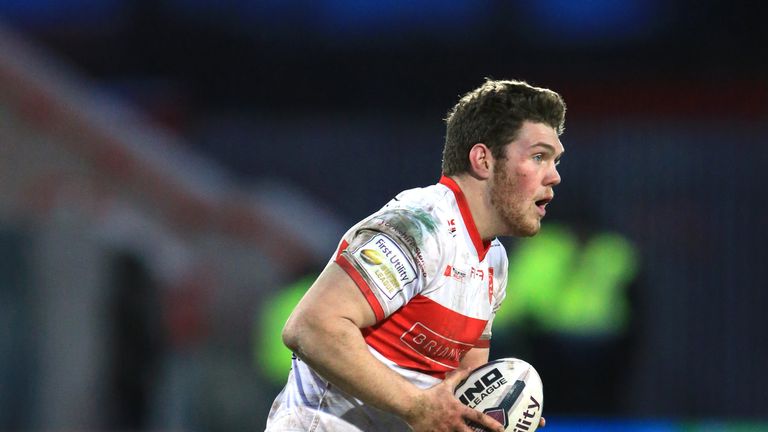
(481, 246)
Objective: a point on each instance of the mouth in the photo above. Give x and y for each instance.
(542, 204)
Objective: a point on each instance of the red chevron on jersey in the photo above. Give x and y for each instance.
(411, 338)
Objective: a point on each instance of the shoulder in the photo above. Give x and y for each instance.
(413, 222)
(413, 214)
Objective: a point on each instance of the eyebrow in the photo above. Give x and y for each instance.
(549, 147)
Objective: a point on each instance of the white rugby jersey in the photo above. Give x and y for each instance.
(432, 282)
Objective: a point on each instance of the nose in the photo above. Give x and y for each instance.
(553, 177)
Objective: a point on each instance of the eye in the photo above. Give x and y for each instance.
(538, 157)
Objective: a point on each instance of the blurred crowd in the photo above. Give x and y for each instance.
(172, 171)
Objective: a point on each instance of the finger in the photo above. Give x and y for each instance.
(542, 422)
(454, 377)
(469, 427)
(481, 419)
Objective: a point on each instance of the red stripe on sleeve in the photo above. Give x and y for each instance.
(342, 261)
(342, 247)
(483, 343)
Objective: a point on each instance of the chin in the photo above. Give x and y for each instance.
(526, 230)
(529, 233)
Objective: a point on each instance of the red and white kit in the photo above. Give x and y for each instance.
(434, 286)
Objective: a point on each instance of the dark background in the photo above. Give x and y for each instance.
(665, 143)
(237, 78)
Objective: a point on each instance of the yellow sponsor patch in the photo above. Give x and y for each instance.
(372, 256)
(387, 265)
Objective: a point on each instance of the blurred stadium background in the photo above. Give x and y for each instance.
(173, 171)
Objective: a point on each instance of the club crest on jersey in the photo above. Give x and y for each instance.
(386, 264)
(452, 227)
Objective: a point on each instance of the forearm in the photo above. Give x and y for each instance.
(474, 358)
(336, 350)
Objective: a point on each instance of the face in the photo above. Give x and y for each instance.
(522, 182)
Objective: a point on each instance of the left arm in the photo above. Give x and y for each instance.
(474, 358)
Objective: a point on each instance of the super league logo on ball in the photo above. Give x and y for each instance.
(498, 414)
(507, 390)
(483, 387)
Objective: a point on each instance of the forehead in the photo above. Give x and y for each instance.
(538, 135)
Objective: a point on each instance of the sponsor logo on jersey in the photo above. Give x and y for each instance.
(386, 264)
(372, 257)
(477, 273)
(434, 346)
(409, 241)
(473, 273)
(454, 273)
(452, 227)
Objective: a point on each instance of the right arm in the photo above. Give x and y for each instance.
(324, 331)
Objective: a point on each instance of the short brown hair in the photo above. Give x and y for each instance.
(493, 114)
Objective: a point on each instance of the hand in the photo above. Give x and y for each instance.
(438, 410)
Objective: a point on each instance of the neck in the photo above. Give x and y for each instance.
(479, 201)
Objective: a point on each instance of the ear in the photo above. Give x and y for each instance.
(480, 161)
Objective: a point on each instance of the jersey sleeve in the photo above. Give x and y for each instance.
(390, 256)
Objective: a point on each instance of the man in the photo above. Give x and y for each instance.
(404, 309)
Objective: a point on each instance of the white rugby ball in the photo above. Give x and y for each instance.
(507, 389)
